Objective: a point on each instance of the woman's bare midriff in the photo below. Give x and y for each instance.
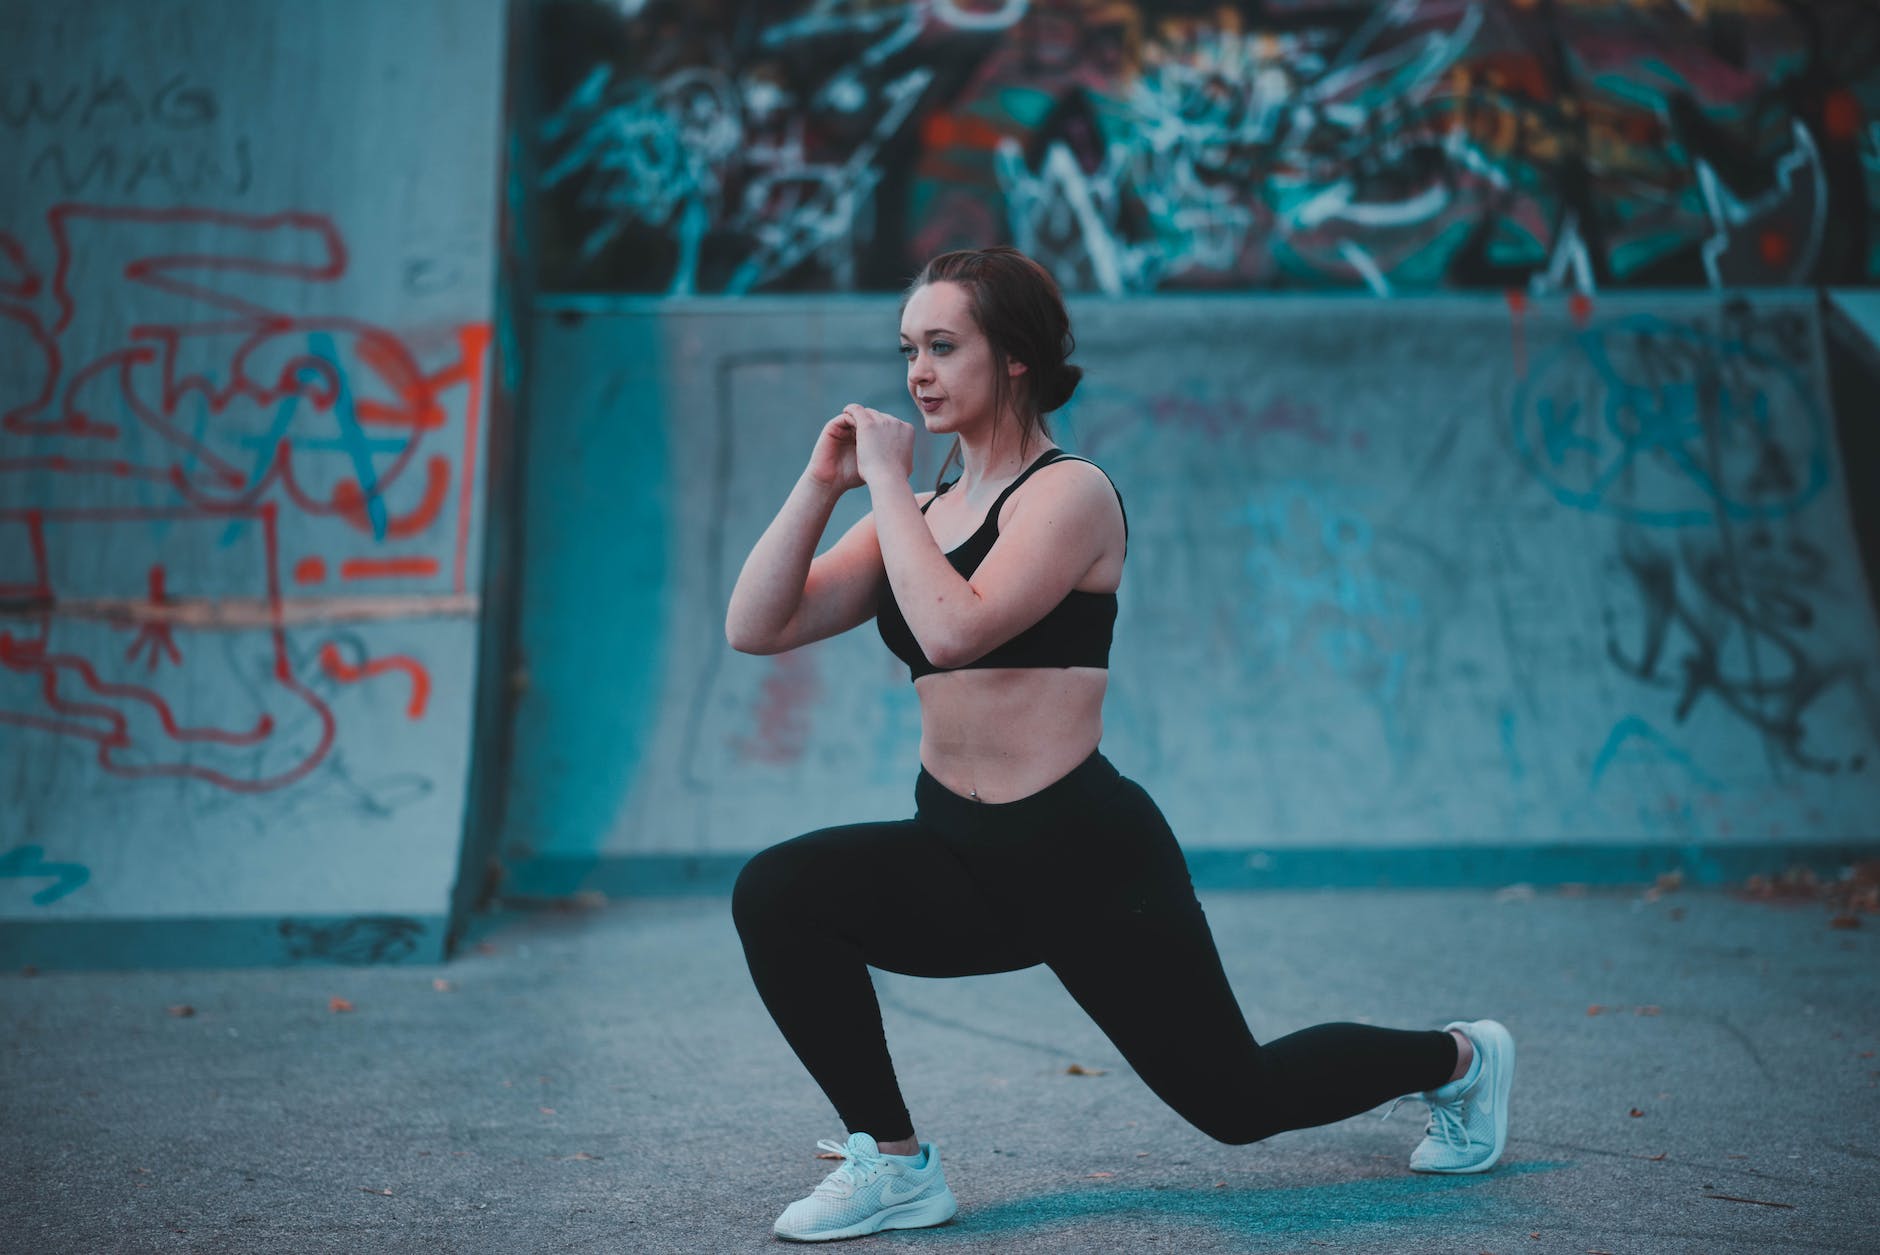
(1005, 733)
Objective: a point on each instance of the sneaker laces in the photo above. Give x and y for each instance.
(855, 1172)
(1445, 1119)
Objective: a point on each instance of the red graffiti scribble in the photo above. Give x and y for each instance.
(346, 673)
(32, 656)
(474, 343)
(1230, 415)
(35, 524)
(1840, 115)
(1775, 248)
(84, 466)
(1580, 308)
(783, 710)
(166, 323)
(155, 634)
(350, 503)
(1517, 315)
(388, 389)
(26, 285)
(386, 568)
(943, 130)
(121, 750)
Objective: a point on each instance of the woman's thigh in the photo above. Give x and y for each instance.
(1133, 948)
(895, 890)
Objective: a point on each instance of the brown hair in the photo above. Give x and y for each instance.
(1018, 306)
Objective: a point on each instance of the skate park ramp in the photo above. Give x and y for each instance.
(1448, 591)
(244, 423)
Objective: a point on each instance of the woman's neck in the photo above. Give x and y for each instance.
(997, 455)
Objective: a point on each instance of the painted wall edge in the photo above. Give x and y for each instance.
(242, 941)
(1300, 868)
(478, 866)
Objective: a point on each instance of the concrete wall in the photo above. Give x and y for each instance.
(246, 257)
(1429, 590)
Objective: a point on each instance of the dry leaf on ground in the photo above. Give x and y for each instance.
(1078, 1069)
(182, 1010)
(337, 1004)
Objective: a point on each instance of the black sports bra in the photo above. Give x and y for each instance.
(1074, 633)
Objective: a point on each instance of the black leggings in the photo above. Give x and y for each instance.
(1084, 876)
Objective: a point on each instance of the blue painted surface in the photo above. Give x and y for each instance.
(596, 591)
(237, 941)
(25, 862)
(1355, 1209)
(1374, 603)
(1343, 867)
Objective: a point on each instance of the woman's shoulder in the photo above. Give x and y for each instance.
(1067, 481)
(1075, 472)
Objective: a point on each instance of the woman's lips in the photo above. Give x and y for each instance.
(929, 404)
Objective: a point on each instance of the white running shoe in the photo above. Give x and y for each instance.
(1468, 1126)
(868, 1193)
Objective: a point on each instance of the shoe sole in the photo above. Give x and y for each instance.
(1496, 1045)
(921, 1213)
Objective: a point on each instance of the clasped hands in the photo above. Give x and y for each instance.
(863, 446)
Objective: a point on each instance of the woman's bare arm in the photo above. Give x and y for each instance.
(786, 595)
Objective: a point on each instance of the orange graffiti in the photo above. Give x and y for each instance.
(386, 568)
(351, 503)
(346, 673)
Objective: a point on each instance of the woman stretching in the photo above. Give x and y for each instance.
(999, 591)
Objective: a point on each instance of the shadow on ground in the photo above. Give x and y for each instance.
(1395, 1205)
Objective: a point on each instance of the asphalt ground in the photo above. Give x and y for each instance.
(1697, 1072)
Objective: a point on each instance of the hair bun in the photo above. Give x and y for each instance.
(1055, 390)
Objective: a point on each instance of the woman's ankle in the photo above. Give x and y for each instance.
(1465, 1054)
(909, 1145)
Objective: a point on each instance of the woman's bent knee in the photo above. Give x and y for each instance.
(1236, 1130)
(762, 889)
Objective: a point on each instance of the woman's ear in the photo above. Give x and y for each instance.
(1014, 368)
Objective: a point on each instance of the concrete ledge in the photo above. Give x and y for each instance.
(229, 941)
(1325, 867)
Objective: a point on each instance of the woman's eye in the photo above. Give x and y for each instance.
(907, 351)
(941, 346)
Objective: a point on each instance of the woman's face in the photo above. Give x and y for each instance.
(950, 363)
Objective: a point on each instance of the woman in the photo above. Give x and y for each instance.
(999, 591)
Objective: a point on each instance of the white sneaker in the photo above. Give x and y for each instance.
(1468, 1126)
(868, 1193)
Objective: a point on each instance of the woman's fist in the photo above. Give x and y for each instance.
(832, 461)
(884, 445)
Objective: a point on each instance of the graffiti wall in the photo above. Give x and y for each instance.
(1442, 573)
(246, 260)
(1383, 146)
